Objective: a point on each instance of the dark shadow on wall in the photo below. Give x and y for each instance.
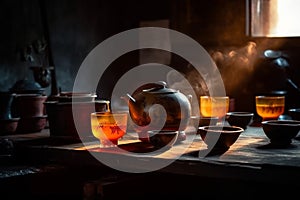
(75, 28)
(152, 73)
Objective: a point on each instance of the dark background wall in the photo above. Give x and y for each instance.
(76, 27)
(20, 24)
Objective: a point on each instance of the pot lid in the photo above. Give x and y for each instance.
(159, 87)
(77, 94)
(26, 86)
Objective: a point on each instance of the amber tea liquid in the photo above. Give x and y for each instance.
(108, 128)
(214, 106)
(112, 132)
(270, 107)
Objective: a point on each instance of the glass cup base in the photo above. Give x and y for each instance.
(108, 143)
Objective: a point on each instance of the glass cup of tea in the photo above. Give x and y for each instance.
(109, 127)
(269, 107)
(214, 106)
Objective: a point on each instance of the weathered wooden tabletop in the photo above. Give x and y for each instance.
(251, 151)
(251, 147)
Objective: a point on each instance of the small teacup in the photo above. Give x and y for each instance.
(214, 106)
(109, 127)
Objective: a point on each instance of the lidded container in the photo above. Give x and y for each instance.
(61, 114)
(28, 105)
(154, 106)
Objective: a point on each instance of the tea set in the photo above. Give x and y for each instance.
(160, 116)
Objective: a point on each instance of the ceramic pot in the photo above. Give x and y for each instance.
(61, 121)
(29, 105)
(31, 124)
(176, 106)
(163, 103)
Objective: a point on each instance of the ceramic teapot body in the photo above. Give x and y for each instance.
(156, 107)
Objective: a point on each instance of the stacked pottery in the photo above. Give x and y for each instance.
(8, 124)
(71, 108)
(28, 105)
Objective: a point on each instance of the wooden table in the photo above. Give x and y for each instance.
(252, 149)
(251, 162)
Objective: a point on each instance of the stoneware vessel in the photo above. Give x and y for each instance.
(153, 103)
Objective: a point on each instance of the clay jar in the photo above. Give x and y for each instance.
(61, 117)
(29, 105)
(31, 111)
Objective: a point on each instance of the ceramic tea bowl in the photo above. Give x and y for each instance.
(281, 132)
(241, 119)
(163, 138)
(220, 137)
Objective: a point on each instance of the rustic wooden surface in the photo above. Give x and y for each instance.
(251, 149)
(250, 160)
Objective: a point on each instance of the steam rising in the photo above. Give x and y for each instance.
(191, 85)
(236, 66)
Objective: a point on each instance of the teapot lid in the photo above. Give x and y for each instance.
(159, 87)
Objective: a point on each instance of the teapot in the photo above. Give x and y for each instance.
(154, 106)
